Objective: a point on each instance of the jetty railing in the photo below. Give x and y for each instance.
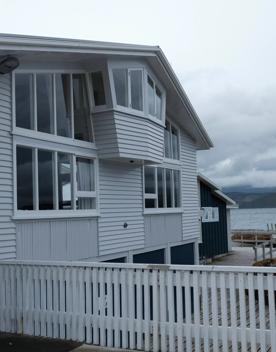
(144, 307)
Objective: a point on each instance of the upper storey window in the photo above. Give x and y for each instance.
(54, 103)
(98, 88)
(171, 141)
(128, 85)
(154, 99)
(136, 90)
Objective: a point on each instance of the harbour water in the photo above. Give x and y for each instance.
(252, 218)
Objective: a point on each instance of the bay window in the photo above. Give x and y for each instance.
(161, 187)
(53, 180)
(171, 141)
(54, 103)
(128, 84)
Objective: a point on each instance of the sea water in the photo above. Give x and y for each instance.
(252, 218)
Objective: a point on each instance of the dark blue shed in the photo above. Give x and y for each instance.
(215, 227)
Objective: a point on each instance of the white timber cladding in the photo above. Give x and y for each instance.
(123, 135)
(189, 188)
(7, 228)
(121, 222)
(57, 239)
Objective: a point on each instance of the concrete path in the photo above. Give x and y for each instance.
(239, 256)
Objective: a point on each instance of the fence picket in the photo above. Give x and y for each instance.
(242, 306)
(205, 309)
(271, 301)
(146, 310)
(179, 312)
(252, 312)
(214, 298)
(224, 320)
(261, 300)
(197, 307)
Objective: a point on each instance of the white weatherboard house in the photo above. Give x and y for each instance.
(98, 147)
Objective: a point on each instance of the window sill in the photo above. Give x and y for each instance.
(55, 214)
(156, 211)
(169, 161)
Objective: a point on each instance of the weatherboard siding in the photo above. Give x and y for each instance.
(189, 188)
(7, 228)
(121, 135)
(121, 201)
(161, 229)
(57, 239)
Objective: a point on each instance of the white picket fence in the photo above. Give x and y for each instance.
(144, 307)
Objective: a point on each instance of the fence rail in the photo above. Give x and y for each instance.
(147, 307)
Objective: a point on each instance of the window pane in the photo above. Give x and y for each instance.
(149, 203)
(63, 103)
(169, 188)
(24, 165)
(98, 88)
(24, 100)
(82, 123)
(136, 77)
(45, 107)
(161, 190)
(151, 97)
(85, 175)
(86, 203)
(158, 97)
(167, 137)
(64, 181)
(176, 175)
(175, 144)
(45, 180)
(150, 180)
(120, 83)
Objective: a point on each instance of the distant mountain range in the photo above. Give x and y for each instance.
(250, 197)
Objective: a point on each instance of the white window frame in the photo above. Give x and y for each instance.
(52, 142)
(98, 108)
(135, 65)
(155, 84)
(156, 209)
(34, 133)
(209, 214)
(170, 159)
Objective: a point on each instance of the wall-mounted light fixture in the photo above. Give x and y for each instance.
(8, 64)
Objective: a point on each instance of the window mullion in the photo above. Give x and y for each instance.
(55, 180)
(72, 106)
(172, 188)
(73, 181)
(34, 102)
(171, 142)
(156, 188)
(35, 179)
(128, 89)
(164, 187)
(55, 103)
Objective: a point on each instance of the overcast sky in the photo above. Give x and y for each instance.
(223, 51)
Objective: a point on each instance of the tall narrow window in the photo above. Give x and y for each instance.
(98, 88)
(45, 106)
(86, 196)
(24, 168)
(150, 186)
(136, 89)
(121, 86)
(45, 179)
(154, 99)
(171, 137)
(177, 191)
(161, 187)
(151, 97)
(63, 103)
(24, 100)
(64, 181)
(169, 189)
(82, 122)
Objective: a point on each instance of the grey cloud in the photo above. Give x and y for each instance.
(241, 120)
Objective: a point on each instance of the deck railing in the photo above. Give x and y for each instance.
(148, 307)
